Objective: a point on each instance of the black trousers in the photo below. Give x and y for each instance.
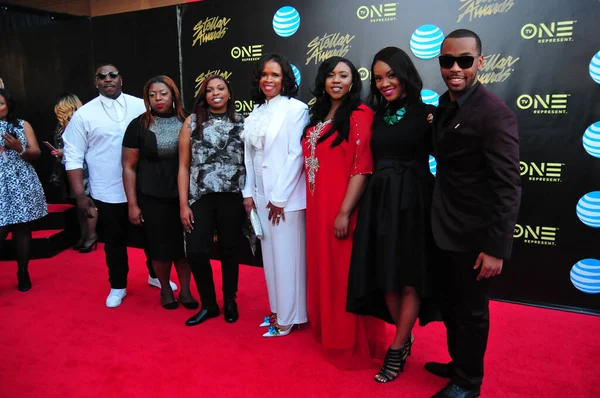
(465, 312)
(113, 219)
(223, 213)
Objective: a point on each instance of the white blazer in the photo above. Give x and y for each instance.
(283, 161)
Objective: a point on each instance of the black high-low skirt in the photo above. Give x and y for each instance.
(393, 246)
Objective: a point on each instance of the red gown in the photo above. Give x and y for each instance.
(349, 341)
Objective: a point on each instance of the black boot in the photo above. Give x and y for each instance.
(24, 280)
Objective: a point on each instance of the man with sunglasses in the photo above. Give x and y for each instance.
(95, 133)
(475, 206)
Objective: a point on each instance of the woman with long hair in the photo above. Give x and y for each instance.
(150, 164)
(211, 179)
(65, 107)
(338, 161)
(22, 198)
(276, 189)
(389, 271)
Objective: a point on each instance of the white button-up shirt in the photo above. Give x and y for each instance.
(95, 133)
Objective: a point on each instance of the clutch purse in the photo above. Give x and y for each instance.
(255, 222)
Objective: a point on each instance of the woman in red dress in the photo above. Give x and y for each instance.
(338, 161)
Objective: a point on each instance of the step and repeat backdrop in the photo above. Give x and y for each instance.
(541, 57)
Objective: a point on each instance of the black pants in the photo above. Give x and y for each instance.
(113, 218)
(465, 312)
(224, 213)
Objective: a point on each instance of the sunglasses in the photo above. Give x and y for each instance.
(102, 76)
(464, 61)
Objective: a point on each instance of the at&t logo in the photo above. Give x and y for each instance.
(247, 53)
(553, 32)
(378, 13)
(536, 235)
(544, 104)
(542, 172)
(244, 107)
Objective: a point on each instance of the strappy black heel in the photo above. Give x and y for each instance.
(394, 362)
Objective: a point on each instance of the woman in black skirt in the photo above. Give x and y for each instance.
(150, 164)
(389, 271)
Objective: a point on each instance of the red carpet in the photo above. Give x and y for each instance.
(59, 340)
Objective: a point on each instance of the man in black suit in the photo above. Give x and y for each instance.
(475, 205)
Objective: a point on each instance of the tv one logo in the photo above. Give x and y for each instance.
(247, 53)
(541, 172)
(378, 13)
(544, 104)
(536, 235)
(364, 73)
(244, 107)
(553, 32)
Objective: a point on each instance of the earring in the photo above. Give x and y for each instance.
(351, 87)
(173, 104)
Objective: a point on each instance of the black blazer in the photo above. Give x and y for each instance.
(477, 190)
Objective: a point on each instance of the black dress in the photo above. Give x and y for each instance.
(392, 243)
(156, 185)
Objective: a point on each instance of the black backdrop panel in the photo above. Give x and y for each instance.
(537, 60)
(141, 44)
(41, 57)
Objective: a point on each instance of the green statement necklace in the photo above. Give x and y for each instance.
(396, 117)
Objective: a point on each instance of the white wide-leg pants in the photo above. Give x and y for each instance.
(284, 258)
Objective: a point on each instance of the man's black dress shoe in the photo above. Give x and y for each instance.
(230, 311)
(439, 369)
(202, 316)
(455, 391)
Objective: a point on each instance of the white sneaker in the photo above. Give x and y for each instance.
(115, 297)
(156, 283)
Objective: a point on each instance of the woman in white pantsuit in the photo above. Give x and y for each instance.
(275, 187)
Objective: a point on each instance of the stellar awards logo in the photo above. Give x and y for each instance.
(200, 78)
(327, 46)
(474, 9)
(497, 68)
(210, 29)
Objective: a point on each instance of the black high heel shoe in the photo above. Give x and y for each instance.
(79, 244)
(173, 305)
(24, 282)
(394, 362)
(88, 248)
(190, 305)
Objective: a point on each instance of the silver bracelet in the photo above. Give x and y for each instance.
(23, 151)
